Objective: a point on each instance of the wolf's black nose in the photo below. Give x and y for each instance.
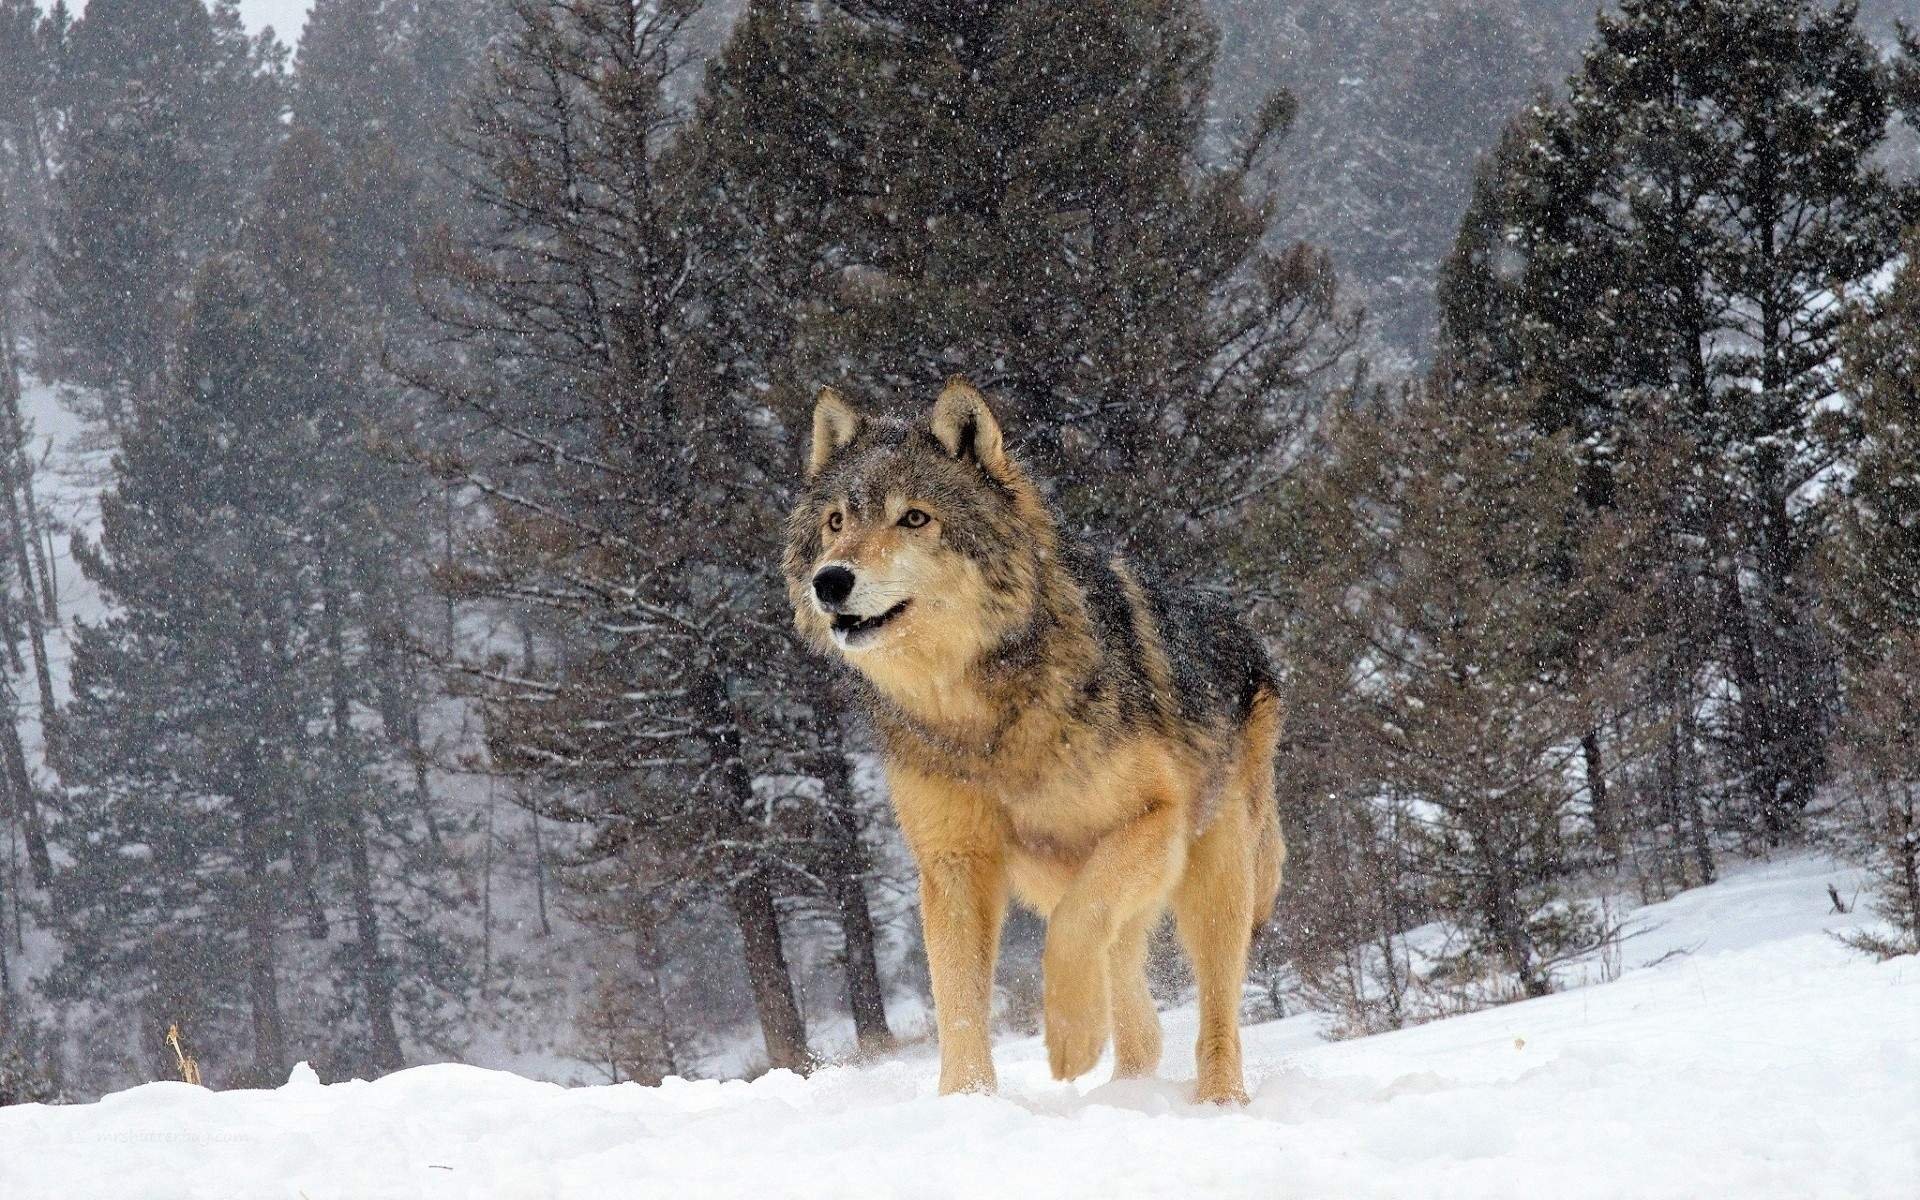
(833, 585)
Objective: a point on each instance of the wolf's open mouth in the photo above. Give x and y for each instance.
(849, 626)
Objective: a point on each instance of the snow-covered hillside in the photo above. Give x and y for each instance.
(1762, 1060)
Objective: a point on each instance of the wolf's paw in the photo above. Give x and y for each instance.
(1076, 1022)
(1221, 1089)
(1136, 1050)
(959, 1078)
(1073, 1047)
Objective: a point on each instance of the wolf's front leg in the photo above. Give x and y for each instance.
(1128, 874)
(958, 838)
(963, 899)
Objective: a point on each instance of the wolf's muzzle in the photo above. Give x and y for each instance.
(833, 585)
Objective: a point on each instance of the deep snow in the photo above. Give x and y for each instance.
(1766, 1060)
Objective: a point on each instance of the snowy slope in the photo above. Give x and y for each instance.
(1764, 1061)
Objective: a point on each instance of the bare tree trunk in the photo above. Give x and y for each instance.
(8, 624)
(6, 971)
(13, 881)
(13, 480)
(1760, 735)
(38, 534)
(1905, 839)
(21, 464)
(646, 955)
(540, 872)
(1500, 904)
(263, 990)
(486, 897)
(768, 975)
(304, 872)
(847, 868)
(1695, 809)
(748, 890)
(1606, 827)
(376, 973)
(26, 800)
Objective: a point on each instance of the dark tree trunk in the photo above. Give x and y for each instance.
(646, 954)
(1606, 825)
(864, 995)
(13, 463)
(539, 872)
(9, 625)
(376, 973)
(1905, 838)
(748, 892)
(304, 870)
(1501, 908)
(6, 971)
(26, 801)
(263, 989)
(846, 869)
(1759, 740)
(768, 975)
(23, 511)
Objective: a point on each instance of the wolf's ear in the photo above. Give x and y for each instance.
(964, 424)
(834, 425)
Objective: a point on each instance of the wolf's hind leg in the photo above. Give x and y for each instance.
(1136, 1026)
(1214, 909)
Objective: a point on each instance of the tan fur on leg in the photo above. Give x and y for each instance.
(959, 841)
(1127, 875)
(1136, 1026)
(962, 902)
(1214, 909)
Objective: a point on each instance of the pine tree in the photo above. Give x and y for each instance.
(28, 60)
(1450, 609)
(1022, 191)
(236, 789)
(619, 494)
(167, 110)
(1906, 77)
(191, 701)
(1874, 574)
(1679, 229)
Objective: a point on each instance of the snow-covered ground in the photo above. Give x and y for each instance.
(1763, 1060)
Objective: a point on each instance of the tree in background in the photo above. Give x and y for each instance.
(1020, 190)
(191, 702)
(236, 784)
(31, 46)
(1398, 100)
(30, 58)
(1678, 238)
(1874, 574)
(1458, 629)
(164, 105)
(619, 498)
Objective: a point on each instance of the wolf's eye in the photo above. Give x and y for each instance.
(834, 521)
(914, 518)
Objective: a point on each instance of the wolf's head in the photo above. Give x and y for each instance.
(915, 547)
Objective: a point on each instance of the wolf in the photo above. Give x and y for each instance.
(1055, 728)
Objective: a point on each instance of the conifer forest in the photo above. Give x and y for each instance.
(401, 406)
